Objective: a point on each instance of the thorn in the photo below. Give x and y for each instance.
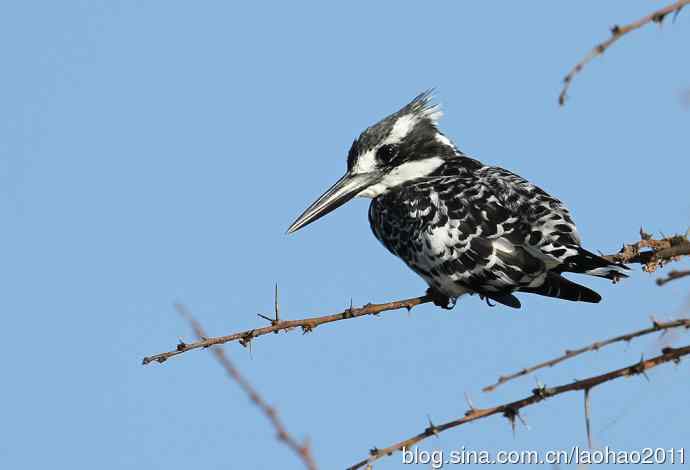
(676, 13)
(644, 235)
(644, 372)
(639, 368)
(349, 312)
(275, 305)
(247, 338)
(511, 413)
(655, 323)
(659, 18)
(587, 418)
(541, 391)
(432, 430)
(524, 423)
(269, 319)
(469, 403)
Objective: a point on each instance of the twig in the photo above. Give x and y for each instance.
(538, 394)
(307, 325)
(302, 450)
(656, 326)
(618, 32)
(657, 254)
(672, 276)
(660, 251)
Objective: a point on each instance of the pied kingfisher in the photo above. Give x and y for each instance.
(463, 226)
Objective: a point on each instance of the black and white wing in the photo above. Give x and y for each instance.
(486, 231)
(552, 230)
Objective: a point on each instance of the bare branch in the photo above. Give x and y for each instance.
(302, 450)
(660, 251)
(618, 32)
(657, 253)
(512, 409)
(307, 325)
(597, 345)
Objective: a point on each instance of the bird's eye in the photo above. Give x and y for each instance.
(386, 153)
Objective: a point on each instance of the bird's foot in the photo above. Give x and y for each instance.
(486, 299)
(439, 299)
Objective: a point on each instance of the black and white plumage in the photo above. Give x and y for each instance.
(463, 226)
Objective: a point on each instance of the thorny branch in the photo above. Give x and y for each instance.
(597, 345)
(659, 253)
(618, 32)
(649, 252)
(306, 324)
(302, 450)
(511, 410)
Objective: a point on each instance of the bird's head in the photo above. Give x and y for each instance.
(401, 147)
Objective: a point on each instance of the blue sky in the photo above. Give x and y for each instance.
(155, 152)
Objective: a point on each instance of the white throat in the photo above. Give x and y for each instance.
(401, 174)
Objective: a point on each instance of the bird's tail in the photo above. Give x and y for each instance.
(585, 262)
(557, 286)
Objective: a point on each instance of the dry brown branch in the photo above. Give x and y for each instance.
(306, 324)
(672, 276)
(302, 450)
(657, 253)
(618, 32)
(656, 326)
(511, 410)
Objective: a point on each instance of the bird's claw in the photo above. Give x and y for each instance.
(486, 299)
(439, 299)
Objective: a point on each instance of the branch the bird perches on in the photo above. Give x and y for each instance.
(649, 252)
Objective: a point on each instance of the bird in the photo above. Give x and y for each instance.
(463, 226)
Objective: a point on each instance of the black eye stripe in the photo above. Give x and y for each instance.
(386, 154)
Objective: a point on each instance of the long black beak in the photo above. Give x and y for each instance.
(345, 189)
